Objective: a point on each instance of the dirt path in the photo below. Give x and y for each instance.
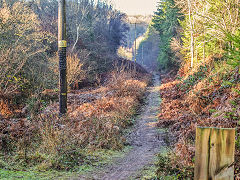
(145, 139)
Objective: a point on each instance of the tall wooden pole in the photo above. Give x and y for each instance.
(62, 46)
(135, 54)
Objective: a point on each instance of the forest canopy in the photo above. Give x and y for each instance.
(199, 29)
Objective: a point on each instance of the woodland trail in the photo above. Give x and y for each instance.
(145, 139)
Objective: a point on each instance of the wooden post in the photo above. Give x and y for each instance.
(214, 155)
(135, 50)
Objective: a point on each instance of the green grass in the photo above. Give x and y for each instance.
(147, 173)
(32, 175)
(103, 158)
(166, 170)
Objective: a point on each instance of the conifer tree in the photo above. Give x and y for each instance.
(166, 22)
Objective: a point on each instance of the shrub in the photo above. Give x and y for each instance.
(24, 67)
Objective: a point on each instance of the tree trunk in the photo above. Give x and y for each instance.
(192, 38)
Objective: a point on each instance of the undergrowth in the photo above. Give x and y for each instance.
(207, 96)
(95, 122)
(168, 167)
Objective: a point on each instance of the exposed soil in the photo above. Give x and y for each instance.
(146, 141)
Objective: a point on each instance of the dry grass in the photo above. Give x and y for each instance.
(96, 119)
(75, 65)
(5, 109)
(99, 123)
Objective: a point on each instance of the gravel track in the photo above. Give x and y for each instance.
(146, 141)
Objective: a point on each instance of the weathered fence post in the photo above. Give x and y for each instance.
(214, 155)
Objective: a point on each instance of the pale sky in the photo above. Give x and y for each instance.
(136, 7)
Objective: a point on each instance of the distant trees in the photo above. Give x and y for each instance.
(142, 24)
(128, 47)
(148, 49)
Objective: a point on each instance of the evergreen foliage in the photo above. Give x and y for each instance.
(233, 53)
(166, 22)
